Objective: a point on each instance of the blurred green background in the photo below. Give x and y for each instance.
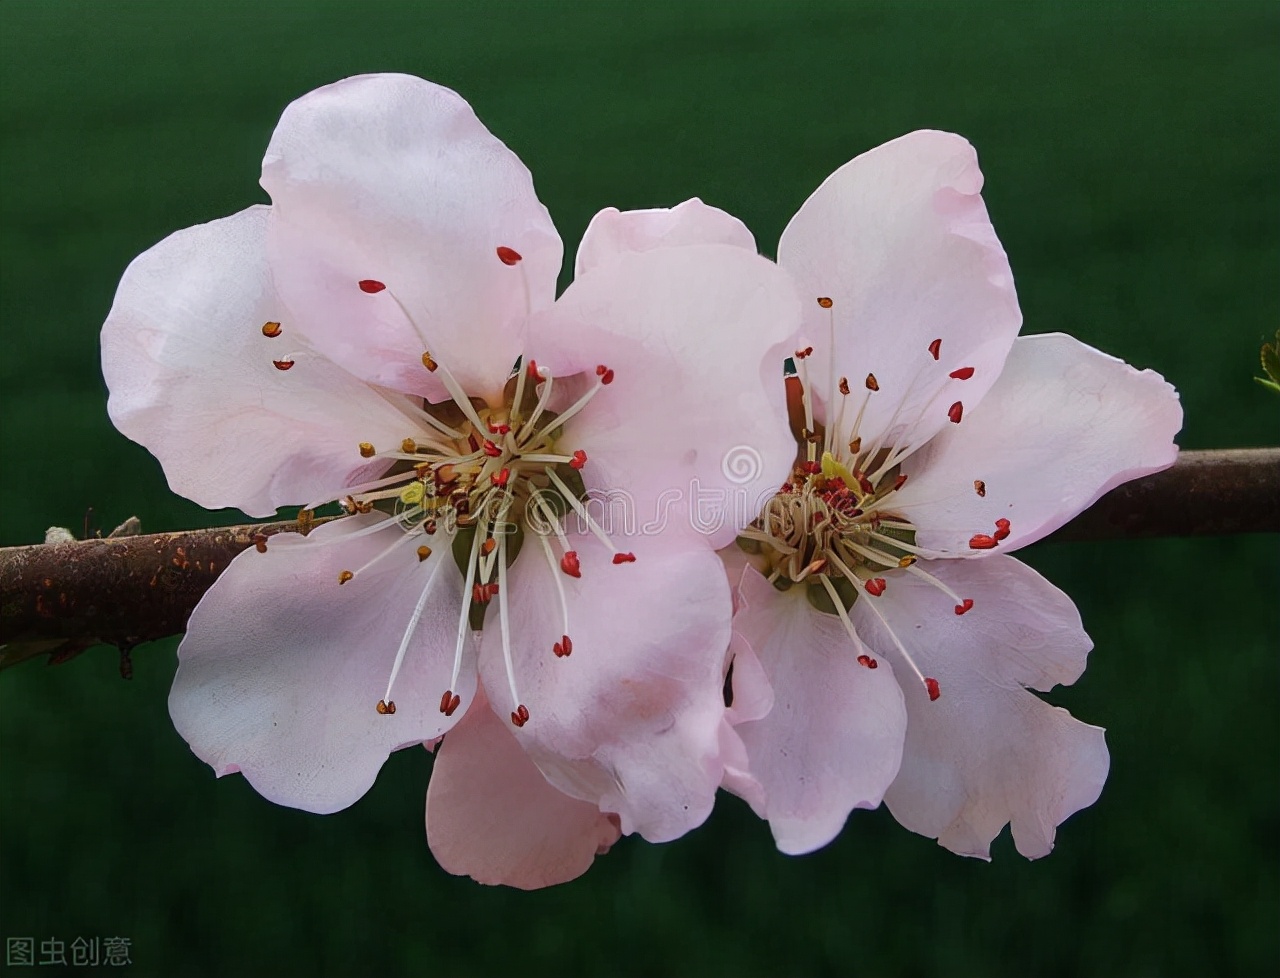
(1131, 154)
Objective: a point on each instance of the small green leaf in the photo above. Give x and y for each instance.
(1271, 365)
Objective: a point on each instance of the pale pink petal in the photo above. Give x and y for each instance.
(629, 721)
(1063, 425)
(691, 428)
(748, 682)
(833, 740)
(613, 232)
(900, 242)
(393, 179)
(748, 696)
(193, 378)
(987, 752)
(281, 669)
(491, 815)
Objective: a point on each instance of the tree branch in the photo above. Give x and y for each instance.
(61, 598)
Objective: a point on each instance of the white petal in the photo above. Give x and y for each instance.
(900, 241)
(281, 669)
(630, 720)
(491, 815)
(613, 232)
(692, 431)
(987, 752)
(833, 740)
(1063, 425)
(394, 179)
(192, 377)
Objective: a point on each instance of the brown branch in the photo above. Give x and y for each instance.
(60, 598)
(1234, 490)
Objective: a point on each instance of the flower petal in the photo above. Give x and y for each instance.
(613, 232)
(748, 696)
(691, 429)
(900, 242)
(491, 815)
(1063, 425)
(281, 667)
(987, 752)
(630, 720)
(393, 179)
(833, 740)
(192, 377)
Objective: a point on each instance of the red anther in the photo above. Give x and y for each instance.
(444, 700)
(1002, 529)
(805, 353)
(981, 541)
(1002, 524)
(872, 383)
(864, 483)
(490, 449)
(386, 707)
(283, 364)
(900, 481)
(810, 468)
(934, 689)
(498, 429)
(521, 715)
(563, 647)
(787, 487)
(964, 606)
(429, 527)
(533, 370)
(569, 563)
(866, 660)
(955, 412)
(500, 479)
(453, 704)
(825, 301)
(604, 373)
(844, 385)
(508, 256)
(979, 487)
(964, 373)
(260, 542)
(627, 558)
(935, 348)
(478, 594)
(371, 285)
(875, 587)
(579, 459)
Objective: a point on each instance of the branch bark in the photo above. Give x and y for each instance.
(59, 599)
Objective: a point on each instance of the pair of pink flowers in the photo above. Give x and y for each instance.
(386, 335)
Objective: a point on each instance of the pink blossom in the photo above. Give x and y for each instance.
(877, 603)
(354, 342)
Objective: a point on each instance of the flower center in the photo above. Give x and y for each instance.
(832, 528)
(481, 479)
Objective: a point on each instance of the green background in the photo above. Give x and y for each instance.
(1131, 152)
